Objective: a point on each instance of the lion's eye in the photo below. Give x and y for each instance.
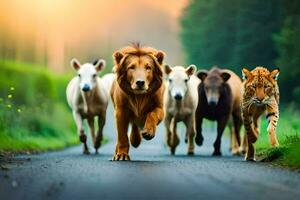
(131, 67)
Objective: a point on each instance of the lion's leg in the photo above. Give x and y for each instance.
(273, 117)
(135, 136)
(152, 119)
(122, 148)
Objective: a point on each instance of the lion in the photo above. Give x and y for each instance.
(137, 95)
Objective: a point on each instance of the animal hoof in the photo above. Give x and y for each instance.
(147, 136)
(86, 152)
(199, 140)
(190, 153)
(217, 153)
(172, 151)
(121, 157)
(97, 144)
(83, 138)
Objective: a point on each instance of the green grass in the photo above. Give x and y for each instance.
(34, 115)
(288, 132)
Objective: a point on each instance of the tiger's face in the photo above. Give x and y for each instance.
(260, 85)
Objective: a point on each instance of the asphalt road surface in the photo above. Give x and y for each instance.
(152, 174)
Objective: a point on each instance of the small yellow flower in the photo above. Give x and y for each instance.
(12, 88)
(9, 96)
(18, 110)
(9, 106)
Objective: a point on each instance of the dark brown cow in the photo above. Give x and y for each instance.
(219, 99)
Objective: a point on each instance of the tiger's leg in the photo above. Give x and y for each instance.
(273, 116)
(250, 151)
(248, 124)
(251, 137)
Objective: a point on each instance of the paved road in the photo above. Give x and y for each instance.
(153, 174)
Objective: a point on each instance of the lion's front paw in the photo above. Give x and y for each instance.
(149, 132)
(121, 156)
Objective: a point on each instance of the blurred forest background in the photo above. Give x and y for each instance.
(237, 33)
(38, 38)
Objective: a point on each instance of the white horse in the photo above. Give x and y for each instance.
(88, 96)
(180, 103)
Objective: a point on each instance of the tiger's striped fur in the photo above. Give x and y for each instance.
(260, 95)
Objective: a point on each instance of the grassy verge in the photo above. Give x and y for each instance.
(288, 133)
(34, 115)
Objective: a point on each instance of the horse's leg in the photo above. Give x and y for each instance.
(81, 134)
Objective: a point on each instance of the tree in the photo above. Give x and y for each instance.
(231, 33)
(208, 32)
(288, 47)
(257, 21)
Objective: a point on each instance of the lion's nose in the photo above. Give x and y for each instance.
(140, 83)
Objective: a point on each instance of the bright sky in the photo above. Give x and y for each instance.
(57, 24)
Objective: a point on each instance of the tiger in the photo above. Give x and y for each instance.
(260, 94)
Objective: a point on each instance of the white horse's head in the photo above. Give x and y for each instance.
(178, 78)
(87, 73)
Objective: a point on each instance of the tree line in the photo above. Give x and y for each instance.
(237, 33)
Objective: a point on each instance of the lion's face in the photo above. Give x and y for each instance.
(260, 84)
(139, 69)
(139, 72)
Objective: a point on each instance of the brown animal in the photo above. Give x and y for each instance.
(219, 99)
(137, 95)
(260, 95)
